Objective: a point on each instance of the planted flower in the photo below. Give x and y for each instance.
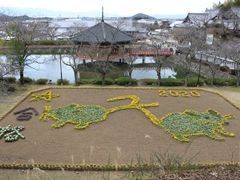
(84, 115)
(191, 123)
(11, 134)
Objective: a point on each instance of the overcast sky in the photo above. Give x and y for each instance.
(113, 7)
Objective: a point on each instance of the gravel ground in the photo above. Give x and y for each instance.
(220, 172)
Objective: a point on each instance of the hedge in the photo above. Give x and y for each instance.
(41, 81)
(99, 82)
(65, 82)
(171, 82)
(123, 81)
(192, 82)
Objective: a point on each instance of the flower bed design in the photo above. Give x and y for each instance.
(26, 114)
(47, 96)
(180, 125)
(11, 134)
(192, 123)
(83, 115)
(179, 93)
(125, 134)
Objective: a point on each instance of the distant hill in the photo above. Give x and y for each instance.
(142, 16)
(4, 17)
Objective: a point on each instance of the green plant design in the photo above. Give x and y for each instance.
(84, 115)
(11, 134)
(192, 123)
(180, 125)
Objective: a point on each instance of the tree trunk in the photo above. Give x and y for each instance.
(75, 77)
(103, 79)
(130, 73)
(130, 77)
(186, 78)
(238, 78)
(159, 78)
(199, 71)
(212, 81)
(21, 73)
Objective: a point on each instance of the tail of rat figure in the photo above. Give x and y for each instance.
(134, 104)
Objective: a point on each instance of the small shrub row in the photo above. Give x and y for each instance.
(41, 81)
(27, 80)
(99, 82)
(164, 82)
(171, 82)
(193, 82)
(123, 81)
(149, 82)
(10, 80)
(62, 82)
(221, 81)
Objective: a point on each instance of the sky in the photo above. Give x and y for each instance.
(111, 7)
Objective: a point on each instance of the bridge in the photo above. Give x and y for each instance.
(140, 53)
(95, 55)
(218, 60)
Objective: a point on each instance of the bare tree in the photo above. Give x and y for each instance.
(130, 61)
(233, 51)
(103, 64)
(23, 35)
(158, 44)
(192, 41)
(72, 59)
(6, 68)
(214, 65)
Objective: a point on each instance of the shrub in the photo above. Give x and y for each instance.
(171, 82)
(99, 82)
(65, 82)
(41, 81)
(232, 82)
(123, 81)
(86, 81)
(11, 80)
(27, 80)
(216, 81)
(193, 82)
(220, 82)
(149, 81)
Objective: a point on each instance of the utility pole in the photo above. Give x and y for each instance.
(61, 75)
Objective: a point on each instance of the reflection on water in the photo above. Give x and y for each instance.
(142, 73)
(49, 68)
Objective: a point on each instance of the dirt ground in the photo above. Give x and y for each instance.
(123, 136)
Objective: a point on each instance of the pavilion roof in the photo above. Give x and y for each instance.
(102, 33)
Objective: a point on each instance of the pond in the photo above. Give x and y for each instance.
(49, 68)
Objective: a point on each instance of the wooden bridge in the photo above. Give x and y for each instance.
(140, 53)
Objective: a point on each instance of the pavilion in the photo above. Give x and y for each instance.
(103, 34)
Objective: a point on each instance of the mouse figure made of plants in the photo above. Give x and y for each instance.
(84, 115)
